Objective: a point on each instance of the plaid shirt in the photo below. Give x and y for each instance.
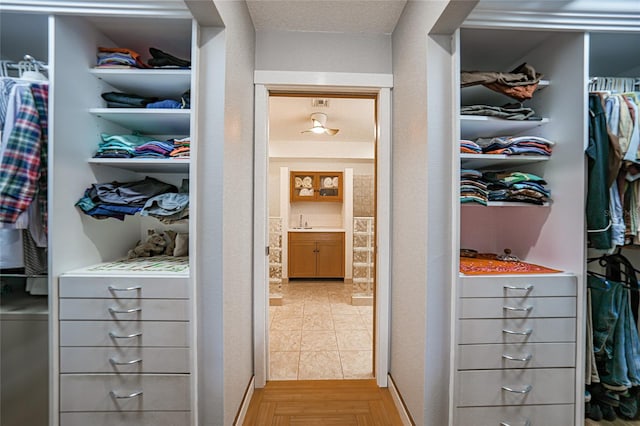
(23, 171)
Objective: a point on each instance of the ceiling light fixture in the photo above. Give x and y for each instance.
(319, 121)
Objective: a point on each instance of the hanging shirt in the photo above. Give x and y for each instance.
(23, 169)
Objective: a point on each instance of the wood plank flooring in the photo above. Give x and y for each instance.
(322, 402)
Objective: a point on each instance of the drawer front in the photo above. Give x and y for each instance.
(124, 360)
(124, 309)
(135, 418)
(525, 355)
(537, 415)
(115, 333)
(517, 330)
(527, 387)
(107, 392)
(517, 286)
(518, 307)
(126, 287)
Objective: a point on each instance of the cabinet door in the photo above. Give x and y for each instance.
(330, 255)
(329, 186)
(303, 186)
(302, 259)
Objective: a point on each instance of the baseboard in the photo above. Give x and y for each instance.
(397, 400)
(362, 300)
(276, 300)
(244, 407)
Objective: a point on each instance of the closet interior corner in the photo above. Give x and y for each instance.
(115, 336)
(24, 301)
(613, 260)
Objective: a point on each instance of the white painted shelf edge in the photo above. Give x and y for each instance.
(144, 82)
(505, 204)
(479, 126)
(477, 161)
(148, 165)
(148, 121)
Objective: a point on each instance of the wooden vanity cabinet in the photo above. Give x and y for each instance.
(316, 255)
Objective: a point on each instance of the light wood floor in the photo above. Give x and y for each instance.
(322, 402)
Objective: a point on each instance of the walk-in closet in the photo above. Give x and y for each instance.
(613, 260)
(112, 343)
(24, 361)
(517, 295)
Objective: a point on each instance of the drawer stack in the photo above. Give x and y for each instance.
(124, 350)
(516, 350)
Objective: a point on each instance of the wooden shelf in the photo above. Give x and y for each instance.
(161, 82)
(480, 126)
(483, 161)
(147, 120)
(145, 165)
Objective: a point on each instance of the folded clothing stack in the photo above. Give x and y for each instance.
(119, 57)
(139, 146)
(516, 187)
(118, 199)
(181, 148)
(473, 189)
(509, 145)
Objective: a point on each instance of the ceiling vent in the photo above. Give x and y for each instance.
(320, 103)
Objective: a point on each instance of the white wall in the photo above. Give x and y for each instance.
(314, 51)
(419, 296)
(226, 208)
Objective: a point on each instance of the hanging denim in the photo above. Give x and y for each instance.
(615, 335)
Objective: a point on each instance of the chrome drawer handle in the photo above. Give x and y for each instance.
(524, 390)
(124, 311)
(526, 423)
(526, 358)
(512, 287)
(133, 361)
(128, 336)
(135, 287)
(526, 332)
(127, 396)
(518, 309)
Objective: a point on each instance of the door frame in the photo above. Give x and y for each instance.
(348, 83)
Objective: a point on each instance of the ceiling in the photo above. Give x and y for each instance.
(290, 115)
(339, 16)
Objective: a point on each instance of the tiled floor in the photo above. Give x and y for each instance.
(318, 334)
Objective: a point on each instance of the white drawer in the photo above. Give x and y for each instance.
(516, 330)
(113, 333)
(525, 355)
(518, 307)
(124, 360)
(537, 415)
(517, 286)
(124, 287)
(93, 392)
(131, 418)
(528, 387)
(117, 309)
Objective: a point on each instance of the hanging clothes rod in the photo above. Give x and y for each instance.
(28, 63)
(614, 84)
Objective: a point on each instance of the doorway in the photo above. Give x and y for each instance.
(321, 208)
(378, 86)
